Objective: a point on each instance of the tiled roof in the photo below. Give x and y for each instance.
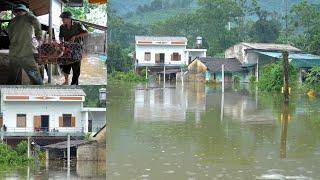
(271, 47)
(214, 64)
(161, 38)
(41, 91)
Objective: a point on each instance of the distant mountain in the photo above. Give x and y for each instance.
(128, 8)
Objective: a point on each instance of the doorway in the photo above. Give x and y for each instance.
(90, 126)
(162, 58)
(45, 123)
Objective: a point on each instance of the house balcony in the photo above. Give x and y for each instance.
(42, 132)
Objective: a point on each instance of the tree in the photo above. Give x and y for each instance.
(304, 26)
(214, 16)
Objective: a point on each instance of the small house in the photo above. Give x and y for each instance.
(154, 53)
(47, 111)
(249, 55)
(210, 69)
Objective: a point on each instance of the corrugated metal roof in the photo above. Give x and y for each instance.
(215, 64)
(41, 91)
(298, 59)
(161, 38)
(271, 47)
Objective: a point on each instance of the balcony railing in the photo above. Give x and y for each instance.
(61, 131)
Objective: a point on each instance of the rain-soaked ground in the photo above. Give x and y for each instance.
(195, 132)
(93, 72)
(57, 170)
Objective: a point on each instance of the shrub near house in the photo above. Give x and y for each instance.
(271, 78)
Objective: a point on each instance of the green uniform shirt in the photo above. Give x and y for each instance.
(20, 32)
(75, 29)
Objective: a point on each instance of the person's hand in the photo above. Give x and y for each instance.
(72, 39)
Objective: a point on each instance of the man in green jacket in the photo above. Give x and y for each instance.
(22, 50)
(73, 32)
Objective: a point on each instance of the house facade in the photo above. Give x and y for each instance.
(210, 69)
(47, 112)
(252, 57)
(153, 53)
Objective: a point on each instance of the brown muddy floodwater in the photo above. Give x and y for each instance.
(93, 72)
(196, 132)
(58, 170)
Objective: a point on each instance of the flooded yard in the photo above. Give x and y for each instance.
(196, 132)
(93, 72)
(57, 170)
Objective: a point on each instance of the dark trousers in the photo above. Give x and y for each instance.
(29, 65)
(76, 67)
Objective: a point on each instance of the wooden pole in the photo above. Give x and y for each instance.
(284, 131)
(50, 40)
(182, 77)
(285, 55)
(222, 71)
(28, 148)
(68, 151)
(164, 75)
(146, 72)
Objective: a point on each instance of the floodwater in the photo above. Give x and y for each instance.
(58, 170)
(196, 132)
(93, 72)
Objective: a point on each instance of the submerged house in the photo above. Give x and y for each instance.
(47, 112)
(253, 56)
(210, 69)
(155, 53)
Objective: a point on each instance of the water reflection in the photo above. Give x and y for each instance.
(196, 132)
(58, 170)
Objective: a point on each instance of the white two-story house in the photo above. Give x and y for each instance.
(154, 52)
(47, 111)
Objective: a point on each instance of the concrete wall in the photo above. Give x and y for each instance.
(98, 120)
(166, 49)
(92, 152)
(31, 109)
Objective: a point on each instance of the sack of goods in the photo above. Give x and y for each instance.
(61, 54)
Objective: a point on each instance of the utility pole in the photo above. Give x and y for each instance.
(285, 55)
(286, 19)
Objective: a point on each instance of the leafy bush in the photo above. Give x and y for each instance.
(8, 156)
(313, 79)
(87, 136)
(236, 79)
(271, 78)
(126, 77)
(252, 79)
(22, 148)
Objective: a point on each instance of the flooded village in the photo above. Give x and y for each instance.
(158, 89)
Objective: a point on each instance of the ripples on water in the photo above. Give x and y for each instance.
(193, 132)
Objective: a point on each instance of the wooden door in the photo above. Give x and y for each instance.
(37, 122)
(73, 121)
(60, 121)
(157, 57)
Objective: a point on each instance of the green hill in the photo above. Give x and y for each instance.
(127, 9)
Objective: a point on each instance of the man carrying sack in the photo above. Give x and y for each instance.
(72, 32)
(22, 50)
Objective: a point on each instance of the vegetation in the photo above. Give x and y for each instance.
(88, 136)
(92, 96)
(126, 77)
(11, 157)
(313, 79)
(271, 78)
(236, 79)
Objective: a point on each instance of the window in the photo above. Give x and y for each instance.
(21, 120)
(147, 56)
(176, 57)
(67, 121)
